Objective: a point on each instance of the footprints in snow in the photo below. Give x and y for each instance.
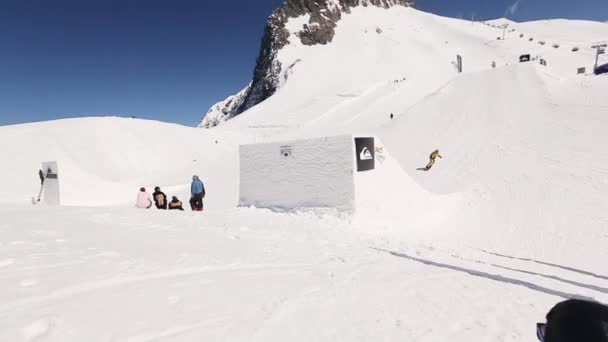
(174, 300)
(36, 329)
(28, 282)
(24, 282)
(6, 262)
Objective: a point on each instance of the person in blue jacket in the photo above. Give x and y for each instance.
(197, 190)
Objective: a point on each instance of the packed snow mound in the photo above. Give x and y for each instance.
(104, 161)
(566, 31)
(522, 151)
(388, 194)
(500, 22)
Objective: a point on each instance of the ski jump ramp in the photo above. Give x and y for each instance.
(348, 173)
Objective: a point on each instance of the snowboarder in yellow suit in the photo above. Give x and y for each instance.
(433, 156)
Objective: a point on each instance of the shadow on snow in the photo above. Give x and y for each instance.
(494, 277)
(587, 273)
(583, 285)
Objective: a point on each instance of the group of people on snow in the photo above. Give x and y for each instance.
(159, 199)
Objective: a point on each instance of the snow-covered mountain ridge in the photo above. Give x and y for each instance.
(372, 39)
(322, 18)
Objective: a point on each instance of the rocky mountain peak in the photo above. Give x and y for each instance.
(320, 29)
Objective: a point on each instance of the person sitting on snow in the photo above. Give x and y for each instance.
(433, 156)
(197, 190)
(144, 200)
(160, 199)
(176, 204)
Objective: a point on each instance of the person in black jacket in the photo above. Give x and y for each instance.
(176, 204)
(575, 320)
(160, 199)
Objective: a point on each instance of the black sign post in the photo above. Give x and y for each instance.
(366, 154)
(601, 49)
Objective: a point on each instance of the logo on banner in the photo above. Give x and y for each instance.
(366, 154)
(286, 151)
(50, 174)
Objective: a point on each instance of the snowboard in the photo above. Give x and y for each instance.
(36, 201)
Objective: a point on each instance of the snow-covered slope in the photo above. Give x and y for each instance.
(522, 150)
(317, 21)
(515, 210)
(578, 31)
(103, 161)
(500, 22)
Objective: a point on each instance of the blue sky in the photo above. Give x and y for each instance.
(519, 10)
(168, 60)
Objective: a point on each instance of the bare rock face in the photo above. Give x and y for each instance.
(324, 18)
(221, 111)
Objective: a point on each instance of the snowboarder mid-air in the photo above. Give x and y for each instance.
(433, 156)
(197, 190)
(160, 199)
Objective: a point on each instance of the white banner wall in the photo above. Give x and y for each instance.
(298, 174)
(50, 193)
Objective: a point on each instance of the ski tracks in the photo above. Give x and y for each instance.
(86, 287)
(547, 277)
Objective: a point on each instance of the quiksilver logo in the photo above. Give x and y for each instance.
(366, 154)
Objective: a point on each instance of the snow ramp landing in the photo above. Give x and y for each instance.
(352, 174)
(523, 149)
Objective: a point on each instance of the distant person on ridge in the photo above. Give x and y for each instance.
(176, 204)
(433, 156)
(160, 199)
(144, 200)
(197, 190)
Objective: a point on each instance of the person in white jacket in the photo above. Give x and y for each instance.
(144, 200)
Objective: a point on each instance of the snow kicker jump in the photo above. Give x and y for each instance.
(347, 173)
(49, 185)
